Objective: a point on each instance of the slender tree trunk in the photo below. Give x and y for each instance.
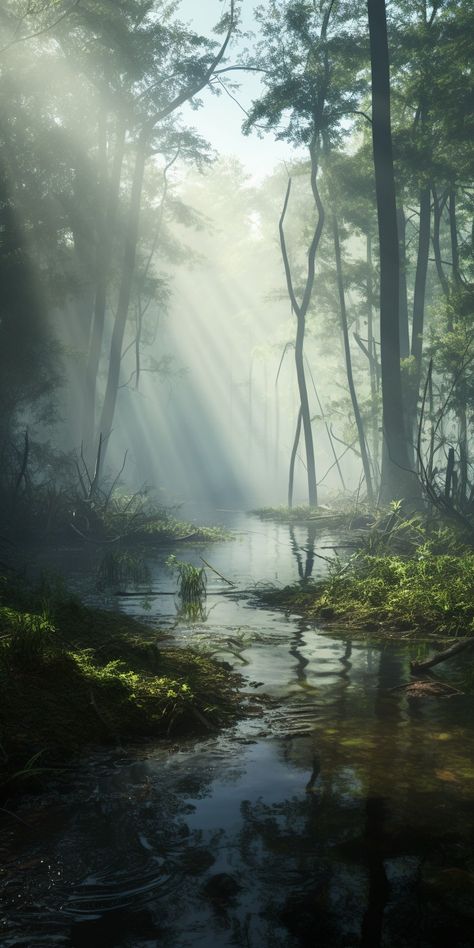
(128, 267)
(305, 412)
(328, 429)
(403, 304)
(250, 410)
(300, 310)
(438, 204)
(419, 302)
(463, 455)
(348, 358)
(104, 254)
(372, 352)
(131, 235)
(454, 236)
(294, 450)
(276, 455)
(396, 477)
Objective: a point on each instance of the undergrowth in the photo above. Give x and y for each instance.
(428, 592)
(72, 676)
(300, 514)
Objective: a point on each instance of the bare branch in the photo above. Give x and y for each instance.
(45, 29)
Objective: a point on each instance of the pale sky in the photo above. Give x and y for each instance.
(220, 119)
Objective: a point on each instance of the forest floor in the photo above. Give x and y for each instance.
(73, 676)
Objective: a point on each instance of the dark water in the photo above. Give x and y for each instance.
(341, 815)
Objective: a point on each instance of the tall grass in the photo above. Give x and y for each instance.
(192, 580)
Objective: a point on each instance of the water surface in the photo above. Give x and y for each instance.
(340, 815)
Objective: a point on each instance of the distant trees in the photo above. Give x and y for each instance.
(349, 66)
(90, 113)
(194, 74)
(304, 103)
(376, 252)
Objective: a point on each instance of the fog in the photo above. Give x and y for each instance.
(213, 417)
(157, 180)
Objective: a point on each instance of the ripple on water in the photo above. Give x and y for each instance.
(343, 813)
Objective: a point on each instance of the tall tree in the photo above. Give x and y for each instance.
(199, 78)
(397, 478)
(303, 104)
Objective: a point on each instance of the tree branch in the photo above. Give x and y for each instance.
(284, 253)
(45, 29)
(191, 91)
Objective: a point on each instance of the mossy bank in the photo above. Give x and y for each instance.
(73, 677)
(389, 595)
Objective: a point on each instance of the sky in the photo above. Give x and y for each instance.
(220, 119)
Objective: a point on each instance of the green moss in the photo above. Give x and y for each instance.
(82, 676)
(301, 514)
(431, 593)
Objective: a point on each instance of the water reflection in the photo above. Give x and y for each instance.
(305, 564)
(341, 818)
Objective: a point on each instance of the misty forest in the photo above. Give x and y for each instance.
(236, 473)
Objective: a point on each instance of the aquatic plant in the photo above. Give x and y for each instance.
(192, 580)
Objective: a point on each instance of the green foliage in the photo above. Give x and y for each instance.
(428, 593)
(192, 580)
(300, 514)
(391, 530)
(95, 677)
(25, 638)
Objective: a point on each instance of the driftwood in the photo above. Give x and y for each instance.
(442, 656)
(216, 571)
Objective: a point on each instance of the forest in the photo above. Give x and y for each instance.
(236, 473)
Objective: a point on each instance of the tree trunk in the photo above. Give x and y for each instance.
(438, 204)
(397, 478)
(305, 412)
(454, 236)
(463, 456)
(128, 266)
(291, 478)
(348, 358)
(104, 254)
(372, 353)
(300, 310)
(419, 302)
(403, 302)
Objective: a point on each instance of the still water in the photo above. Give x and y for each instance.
(340, 815)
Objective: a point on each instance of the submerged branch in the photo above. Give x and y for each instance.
(442, 656)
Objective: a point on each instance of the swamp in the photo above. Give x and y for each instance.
(236, 474)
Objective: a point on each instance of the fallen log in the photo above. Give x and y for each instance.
(443, 656)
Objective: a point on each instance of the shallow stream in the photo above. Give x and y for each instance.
(339, 815)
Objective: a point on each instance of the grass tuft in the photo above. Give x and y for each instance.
(192, 580)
